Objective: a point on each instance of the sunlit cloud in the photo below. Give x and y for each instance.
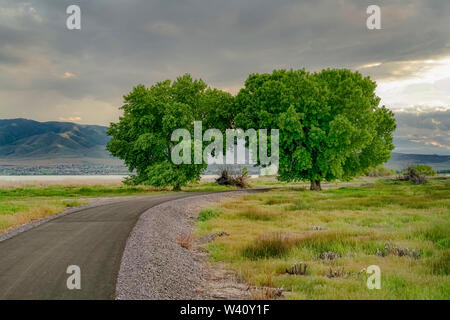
(428, 84)
(370, 65)
(70, 119)
(68, 75)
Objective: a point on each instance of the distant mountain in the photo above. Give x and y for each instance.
(21, 138)
(400, 161)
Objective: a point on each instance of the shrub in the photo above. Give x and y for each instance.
(424, 169)
(228, 179)
(411, 174)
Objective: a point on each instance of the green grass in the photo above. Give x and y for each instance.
(269, 232)
(206, 214)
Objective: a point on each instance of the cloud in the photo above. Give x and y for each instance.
(423, 130)
(68, 75)
(70, 119)
(46, 69)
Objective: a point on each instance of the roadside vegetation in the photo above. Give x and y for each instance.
(22, 204)
(19, 206)
(316, 245)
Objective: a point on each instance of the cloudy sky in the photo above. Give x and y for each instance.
(50, 73)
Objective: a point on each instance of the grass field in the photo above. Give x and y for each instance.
(402, 228)
(25, 201)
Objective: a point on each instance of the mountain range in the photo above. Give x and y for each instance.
(25, 139)
(31, 142)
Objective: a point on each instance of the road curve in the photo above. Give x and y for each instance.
(33, 264)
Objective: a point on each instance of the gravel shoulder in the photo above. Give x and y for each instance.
(155, 266)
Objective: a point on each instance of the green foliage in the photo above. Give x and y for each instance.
(142, 137)
(424, 169)
(331, 125)
(207, 214)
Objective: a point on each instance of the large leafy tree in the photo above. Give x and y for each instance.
(331, 125)
(142, 137)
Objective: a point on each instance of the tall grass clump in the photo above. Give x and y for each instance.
(269, 246)
(440, 263)
(255, 213)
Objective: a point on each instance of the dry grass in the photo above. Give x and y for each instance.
(265, 293)
(42, 183)
(33, 211)
(185, 240)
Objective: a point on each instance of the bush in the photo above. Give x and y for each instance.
(227, 179)
(411, 174)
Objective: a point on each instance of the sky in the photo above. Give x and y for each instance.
(48, 72)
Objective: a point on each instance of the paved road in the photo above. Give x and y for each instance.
(33, 264)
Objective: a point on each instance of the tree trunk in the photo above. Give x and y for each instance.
(315, 185)
(176, 188)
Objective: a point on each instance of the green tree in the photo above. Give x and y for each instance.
(142, 137)
(331, 125)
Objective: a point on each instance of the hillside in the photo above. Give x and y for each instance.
(400, 161)
(21, 138)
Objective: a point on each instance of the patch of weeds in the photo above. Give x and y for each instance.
(274, 200)
(328, 241)
(207, 214)
(392, 249)
(265, 293)
(438, 234)
(71, 204)
(9, 208)
(440, 263)
(255, 213)
(297, 269)
(216, 251)
(338, 273)
(299, 205)
(330, 255)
